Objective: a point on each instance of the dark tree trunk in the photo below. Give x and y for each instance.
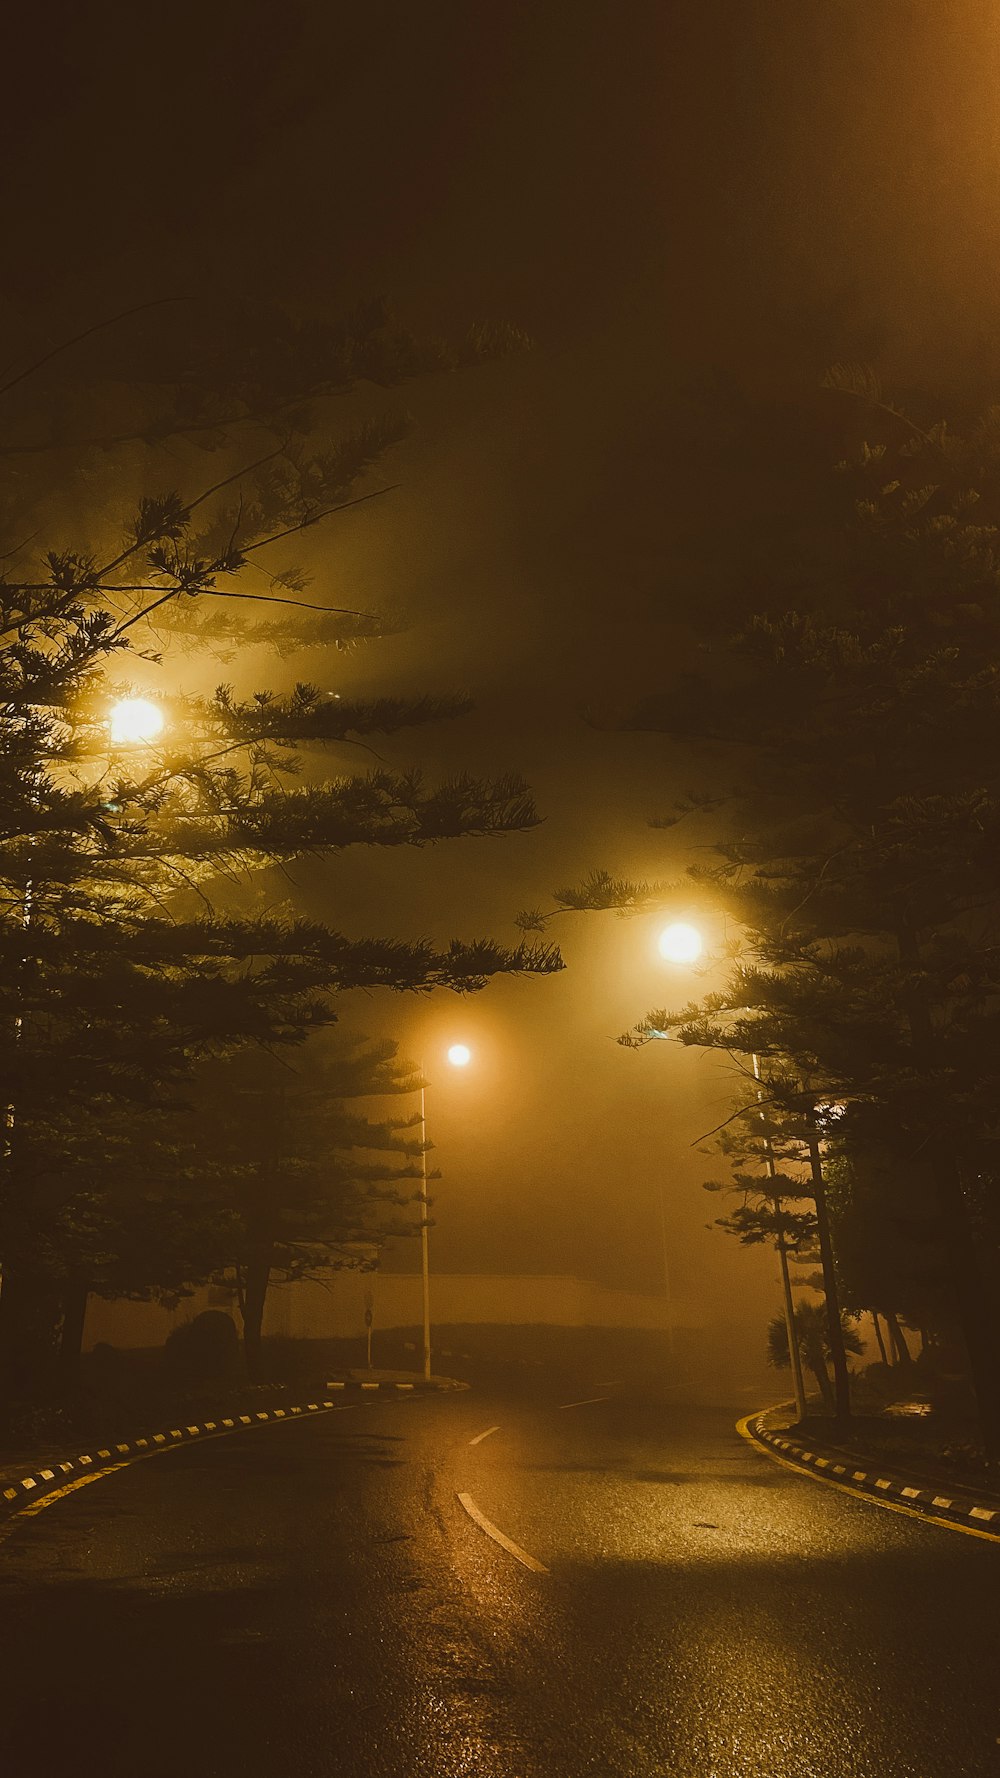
(973, 1298)
(795, 1349)
(972, 1290)
(899, 1346)
(822, 1377)
(257, 1276)
(876, 1323)
(835, 1331)
(76, 1294)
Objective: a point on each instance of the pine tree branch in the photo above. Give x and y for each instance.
(317, 517)
(77, 339)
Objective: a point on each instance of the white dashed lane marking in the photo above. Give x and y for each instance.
(506, 1543)
(481, 1435)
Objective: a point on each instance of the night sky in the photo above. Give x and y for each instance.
(666, 197)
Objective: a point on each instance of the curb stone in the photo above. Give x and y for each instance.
(957, 1506)
(14, 1494)
(424, 1386)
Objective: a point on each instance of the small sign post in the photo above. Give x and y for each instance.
(369, 1318)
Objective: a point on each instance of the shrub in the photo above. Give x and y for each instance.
(205, 1350)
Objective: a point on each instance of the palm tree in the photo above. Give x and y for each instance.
(814, 1344)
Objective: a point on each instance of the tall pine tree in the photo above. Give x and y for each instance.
(859, 857)
(130, 948)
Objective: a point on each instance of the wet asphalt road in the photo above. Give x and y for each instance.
(311, 1598)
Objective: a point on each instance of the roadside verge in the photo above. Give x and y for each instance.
(956, 1508)
(18, 1488)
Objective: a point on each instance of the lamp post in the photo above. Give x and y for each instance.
(794, 1355)
(678, 943)
(681, 943)
(459, 1055)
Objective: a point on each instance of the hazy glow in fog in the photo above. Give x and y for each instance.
(135, 722)
(459, 1055)
(680, 943)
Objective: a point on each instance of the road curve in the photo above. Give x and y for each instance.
(313, 1597)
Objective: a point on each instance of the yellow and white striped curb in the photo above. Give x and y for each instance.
(14, 1493)
(957, 1508)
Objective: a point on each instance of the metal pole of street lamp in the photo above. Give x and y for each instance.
(661, 1201)
(424, 1251)
(667, 1297)
(681, 943)
(459, 1055)
(794, 1355)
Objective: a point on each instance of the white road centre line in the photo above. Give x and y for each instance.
(481, 1435)
(513, 1549)
(563, 1405)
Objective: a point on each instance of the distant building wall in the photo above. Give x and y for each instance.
(334, 1308)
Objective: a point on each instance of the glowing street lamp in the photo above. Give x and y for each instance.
(135, 722)
(681, 943)
(459, 1055)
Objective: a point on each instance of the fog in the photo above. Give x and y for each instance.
(665, 197)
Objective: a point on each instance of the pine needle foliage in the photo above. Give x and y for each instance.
(858, 860)
(120, 868)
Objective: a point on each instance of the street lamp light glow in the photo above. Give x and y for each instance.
(135, 722)
(680, 943)
(459, 1055)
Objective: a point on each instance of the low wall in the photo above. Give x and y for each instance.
(333, 1308)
